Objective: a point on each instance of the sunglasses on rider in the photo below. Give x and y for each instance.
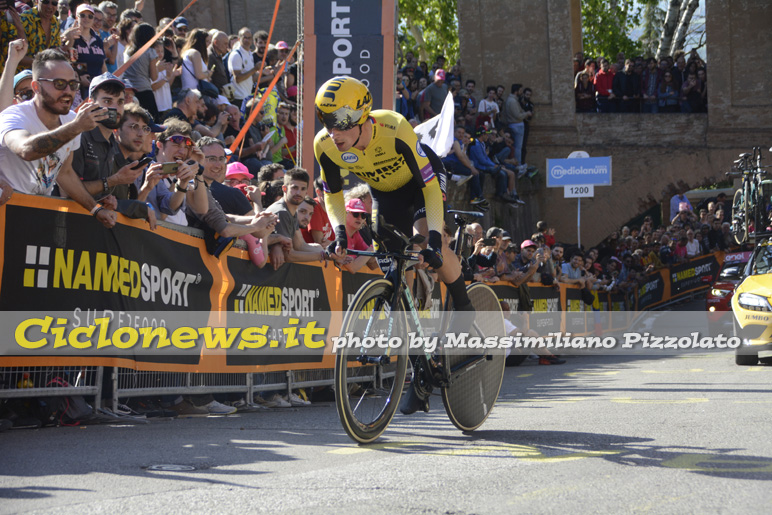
(61, 84)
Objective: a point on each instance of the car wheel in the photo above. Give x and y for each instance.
(766, 361)
(747, 360)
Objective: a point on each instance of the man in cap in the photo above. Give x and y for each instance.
(22, 87)
(434, 95)
(526, 264)
(284, 50)
(237, 174)
(94, 160)
(181, 27)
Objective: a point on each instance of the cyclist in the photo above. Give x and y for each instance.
(381, 148)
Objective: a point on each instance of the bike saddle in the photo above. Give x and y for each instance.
(467, 217)
(745, 156)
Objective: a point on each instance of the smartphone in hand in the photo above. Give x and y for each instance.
(169, 168)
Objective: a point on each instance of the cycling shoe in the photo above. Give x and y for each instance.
(414, 401)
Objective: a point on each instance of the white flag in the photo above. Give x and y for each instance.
(437, 132)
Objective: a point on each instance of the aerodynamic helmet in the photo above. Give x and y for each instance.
(343, 103)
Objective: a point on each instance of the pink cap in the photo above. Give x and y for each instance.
(84, 7)
(683, 206)
(528, 243)
(355, 205)
(282, 45)
(238, 170)
(439, 74)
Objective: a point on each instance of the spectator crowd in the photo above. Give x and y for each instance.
(491, 132)
(86, 114)
(674, 84)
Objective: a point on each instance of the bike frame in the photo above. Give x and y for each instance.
(396, 276)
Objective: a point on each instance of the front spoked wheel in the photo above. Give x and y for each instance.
(369, 381)
(476, 375)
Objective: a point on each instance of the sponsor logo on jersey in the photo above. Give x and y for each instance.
(349, 157)
(420, 149)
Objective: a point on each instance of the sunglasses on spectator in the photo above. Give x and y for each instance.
(86, 15)
(217, 159)
(61, 84)
(357, 214)
(139, 128)
(181, 140)
(26, 94)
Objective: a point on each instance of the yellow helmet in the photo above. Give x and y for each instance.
(342, 103)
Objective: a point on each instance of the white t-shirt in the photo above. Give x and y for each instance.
(188, 77)
(35, 177)
(119, 57)
(240, 61)
(163, 95)
(487, 107)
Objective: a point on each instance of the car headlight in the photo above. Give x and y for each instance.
(720, 293)
(753, 302)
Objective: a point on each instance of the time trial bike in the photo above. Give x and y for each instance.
(370, 376)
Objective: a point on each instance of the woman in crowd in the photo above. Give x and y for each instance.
(167, 72)
(585, 94)
(90, 49)
(668, 94)
(194, 56)
(144, 71)
(356, 213)
(125, 26)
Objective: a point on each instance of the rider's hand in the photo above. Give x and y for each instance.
(338, 247)
(432, 257)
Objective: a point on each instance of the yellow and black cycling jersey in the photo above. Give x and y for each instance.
(393, 160)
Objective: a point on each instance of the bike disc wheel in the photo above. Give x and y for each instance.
(470, 397)
(369, 382)
(739, 218)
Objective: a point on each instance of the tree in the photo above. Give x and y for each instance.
(653, 20)
(607, 25)
(430, 28)
(676, 27)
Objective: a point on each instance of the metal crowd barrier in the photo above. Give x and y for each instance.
(18, 382)
(128, 383)
(134, 383)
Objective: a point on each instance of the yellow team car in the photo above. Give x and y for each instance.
(752, 308)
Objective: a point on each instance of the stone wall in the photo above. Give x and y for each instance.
(533, 42)
(227, 15)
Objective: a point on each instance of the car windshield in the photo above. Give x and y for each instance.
(732, 270)
(763, 262)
